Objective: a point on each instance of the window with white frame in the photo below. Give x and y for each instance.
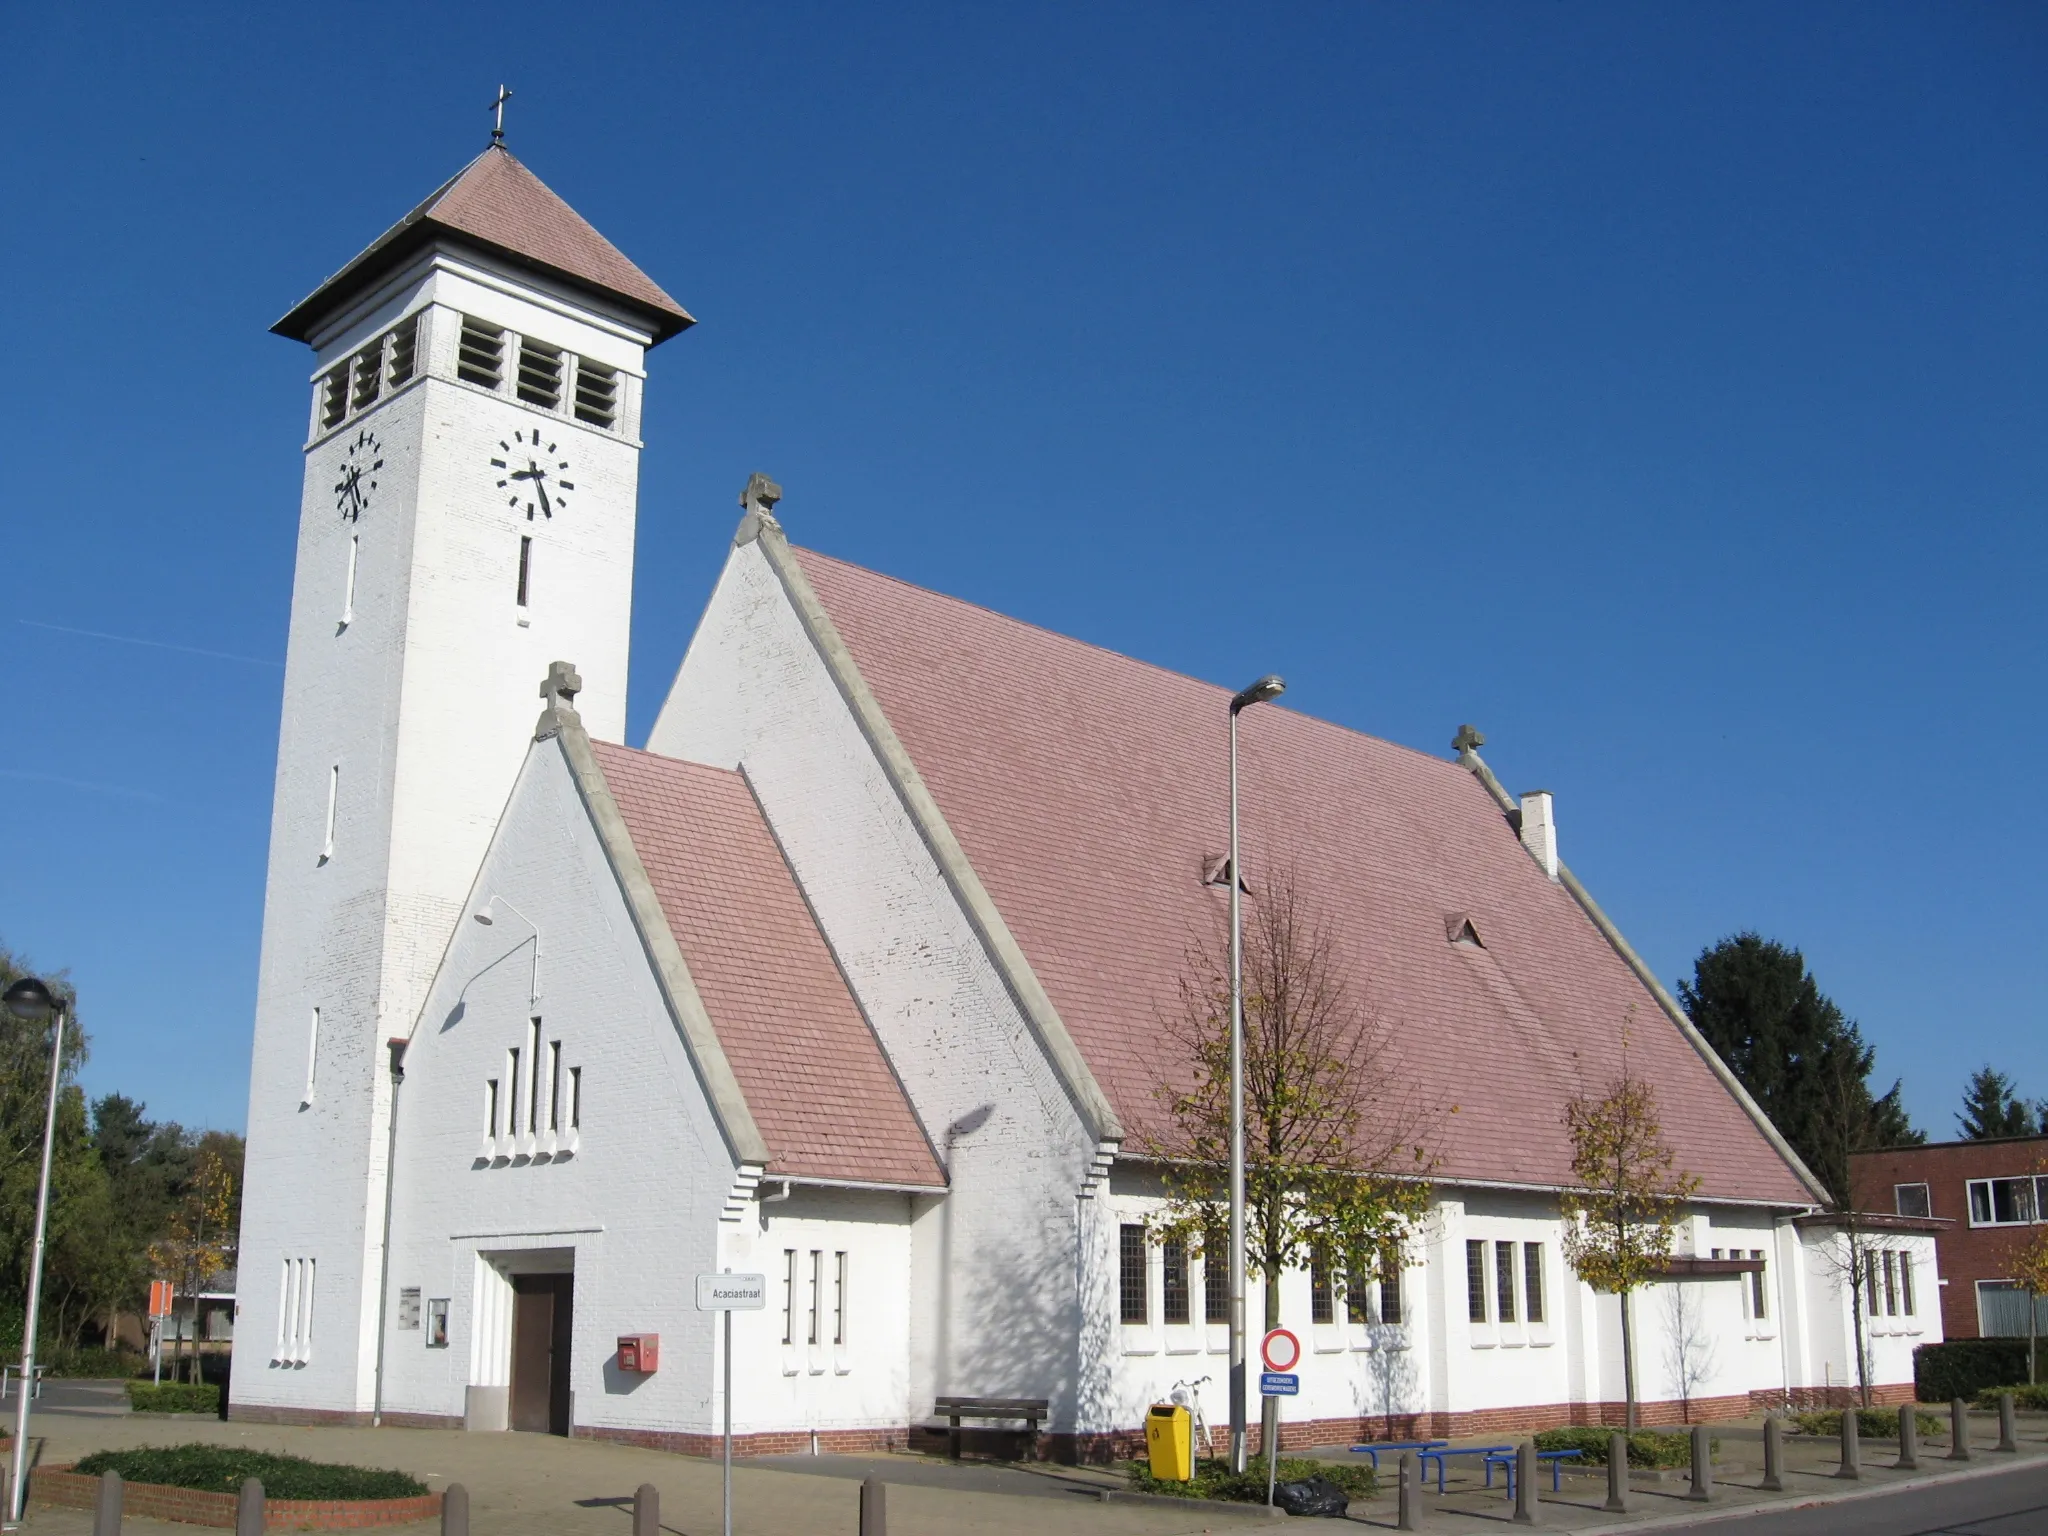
(2010, 1202)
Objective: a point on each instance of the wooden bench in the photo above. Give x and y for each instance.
(1032, 1410)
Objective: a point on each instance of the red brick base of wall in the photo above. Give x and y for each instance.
(271, 1413)
(837, 1442)
(63, 1488)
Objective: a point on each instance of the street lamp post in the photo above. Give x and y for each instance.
(1268, 687)
(29, 999)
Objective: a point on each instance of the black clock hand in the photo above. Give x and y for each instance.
(540, 486)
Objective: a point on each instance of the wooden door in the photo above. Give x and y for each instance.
(543, 1310)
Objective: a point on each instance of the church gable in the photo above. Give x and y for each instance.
(819, 1087)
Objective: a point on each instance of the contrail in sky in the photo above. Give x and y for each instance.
(161, 645)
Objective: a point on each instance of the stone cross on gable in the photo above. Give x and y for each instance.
(1468, 739)
(761, 494)
(561, 685)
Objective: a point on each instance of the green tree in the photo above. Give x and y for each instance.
(2027, 1259)
(1630, 1194)
(1991, 1108)
(1794, 1050)
(1338, 1151)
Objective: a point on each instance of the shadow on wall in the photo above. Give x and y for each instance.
(1015, 1329)
(1388, 1386)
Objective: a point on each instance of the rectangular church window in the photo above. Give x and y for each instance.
(1504, 1279)
(1391, 1310)
(405, 338)
(540, 373)
(480, 353)
(1756, 1287)
(512, 1092)
(1475, 1281)
(839, 1299)
(1532, 1280)
(1357, 1291)
(533, 1087)
(1175, 1254)
(554, 1085)
(1322, 1305)
(491, 1107)
(1906, 1283)
(817, 1295)
(1215, 1284)
(369, 375)
(333, 794)
(334, 397)
(312, 1055)
(789, 1295)
(597, 393)
(525, 566)
(1131, 1278)
(575, 1098)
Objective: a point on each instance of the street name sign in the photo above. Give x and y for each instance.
(732, 1293)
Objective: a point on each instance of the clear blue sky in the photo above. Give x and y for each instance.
(1660, 388)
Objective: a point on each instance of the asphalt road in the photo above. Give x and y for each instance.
(2011, 1503)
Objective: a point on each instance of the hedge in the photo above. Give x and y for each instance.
(173, 1397)
(1646, 1447)
(1214, 1480)
(2034, 1399)
(1875, 1423)
(1964, 1367)
(221, 1469)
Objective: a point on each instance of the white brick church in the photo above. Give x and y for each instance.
(852, 974)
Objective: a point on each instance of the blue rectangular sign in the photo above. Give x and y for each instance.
(1279, 1384)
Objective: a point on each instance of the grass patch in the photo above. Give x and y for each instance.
(221, 1469)
(1215, 1480)
(2034, 1398)
(1646, 1447)
(173, 1397)
(1876, 1423)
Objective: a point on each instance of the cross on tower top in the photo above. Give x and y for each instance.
(561, 684)
(498, 119)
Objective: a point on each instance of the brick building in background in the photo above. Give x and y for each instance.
(1989, 1195)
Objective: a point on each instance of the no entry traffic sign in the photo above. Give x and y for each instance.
(1280, 1350)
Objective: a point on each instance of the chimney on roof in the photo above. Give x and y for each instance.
(1539, 831)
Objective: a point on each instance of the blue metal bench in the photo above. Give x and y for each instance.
(1507, 1460)
(1395, 1445)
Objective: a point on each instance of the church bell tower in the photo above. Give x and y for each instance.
(471, 474)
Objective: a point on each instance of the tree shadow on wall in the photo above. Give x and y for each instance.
(1017, 1331)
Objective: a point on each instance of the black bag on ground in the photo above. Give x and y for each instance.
(1312, 1496)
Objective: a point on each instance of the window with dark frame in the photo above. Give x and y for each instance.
(1391, 1308)
(1174, 1304)
(1912, 1200)
(1131, 1287)
(1215, 1284)
(1475, 1281)
(1322, 1306)
(1891, 1284)
(491, 1107)
(1757, 1291)
(554, 1085)
(1906, 1283)
(789, 1296)
(533, 1087)
(525, 567)
(817, 1295)
(1357, 1290)
(1504, 1279)
(1870, 1292)
(575, 1098)
(839, 1298)
(1532, 1281)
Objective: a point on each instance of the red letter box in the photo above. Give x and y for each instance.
(640, 1353)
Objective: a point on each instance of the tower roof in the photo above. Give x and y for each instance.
(498, 205)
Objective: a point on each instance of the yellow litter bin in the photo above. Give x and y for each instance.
(1170, 1441)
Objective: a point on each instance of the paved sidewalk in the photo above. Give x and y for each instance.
(536, 1485)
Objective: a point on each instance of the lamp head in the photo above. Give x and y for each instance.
(29, 999)
(1267, 688)
(484, 917)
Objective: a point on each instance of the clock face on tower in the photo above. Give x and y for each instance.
(356, 475)
(530, 473)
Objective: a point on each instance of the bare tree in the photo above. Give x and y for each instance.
(1338, 1147)
(1630, 1195)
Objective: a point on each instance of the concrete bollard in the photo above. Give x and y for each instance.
(1410, 1516)
(646, 1510)
(1774, 1454)
(455, 1510)
(1617, 1473)
(2008, 1425)
(106, 1509)
(1852, 1445)
(1909, 1438)
(1702, 1466)
(1527, 1510)
(874, 1507)
(249, 1509)
(1958, 1430)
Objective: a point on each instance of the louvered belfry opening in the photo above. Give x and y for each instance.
(369, 371)
(404, 355)
(540, 374)
(480, 353)
(334, 397)
(597, 393)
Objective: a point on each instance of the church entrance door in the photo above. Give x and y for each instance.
(543, 1314)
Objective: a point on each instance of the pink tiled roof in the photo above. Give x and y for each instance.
(498, 203)
(809, 1067)
(1086, 789)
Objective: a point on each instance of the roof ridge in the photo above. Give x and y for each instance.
(1137, 661)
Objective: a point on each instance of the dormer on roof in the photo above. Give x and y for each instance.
(497, 206)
